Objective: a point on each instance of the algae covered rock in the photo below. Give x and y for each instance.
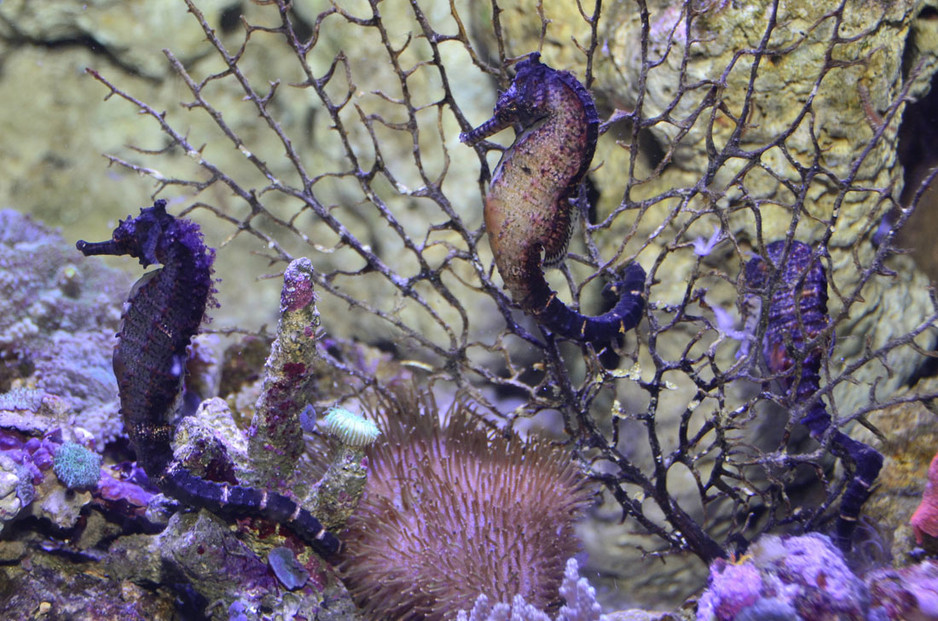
(16, 489)
(58, 317)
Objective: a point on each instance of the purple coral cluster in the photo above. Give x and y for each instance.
(36, 455)
(910, 593)
(806, 577)
(122, 488)
(785, 578)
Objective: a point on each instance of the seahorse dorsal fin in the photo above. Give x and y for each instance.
(556, 258)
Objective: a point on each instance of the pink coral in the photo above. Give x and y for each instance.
(925, 519)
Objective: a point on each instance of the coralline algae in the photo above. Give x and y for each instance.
(58, 316)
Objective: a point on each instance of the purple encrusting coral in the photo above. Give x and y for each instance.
(907, 594)
(806, 575)
(27, 486)
(806, 578)
(275, 440)
(35, 454)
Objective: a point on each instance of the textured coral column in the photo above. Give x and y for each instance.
(275, 440)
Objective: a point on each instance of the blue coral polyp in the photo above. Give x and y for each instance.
(76, 466)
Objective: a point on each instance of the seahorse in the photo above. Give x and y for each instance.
(797, 315)
(528, 215)
(163, 313)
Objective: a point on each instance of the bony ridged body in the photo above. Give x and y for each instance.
(797, 317)
(528, 214)
(162, 315)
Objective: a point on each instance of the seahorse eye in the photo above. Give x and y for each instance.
(507, 112)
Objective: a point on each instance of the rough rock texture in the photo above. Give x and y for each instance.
(199, 548)
(53, 123)
(58, 316)
(847, 104)
(16, 489)
(908, 435)
(56, 588)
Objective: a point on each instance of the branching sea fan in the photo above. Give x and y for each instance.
(452, 511)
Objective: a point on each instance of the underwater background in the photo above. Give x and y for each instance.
(363, 358)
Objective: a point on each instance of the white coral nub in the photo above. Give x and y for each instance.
(350, 428)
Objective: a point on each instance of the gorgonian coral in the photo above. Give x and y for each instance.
(452, 511)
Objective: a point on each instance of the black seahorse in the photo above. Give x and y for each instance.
(797, 315)
(162, 315)
(528, 214)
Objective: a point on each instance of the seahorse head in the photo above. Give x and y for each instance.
(137, 237)
(525, 101)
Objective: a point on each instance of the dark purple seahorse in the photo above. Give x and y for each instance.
(528, 214)
(163, 313)
(797, 315)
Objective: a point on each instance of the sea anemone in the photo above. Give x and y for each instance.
(452, 511)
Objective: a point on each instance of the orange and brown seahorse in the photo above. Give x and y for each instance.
(528, 214)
